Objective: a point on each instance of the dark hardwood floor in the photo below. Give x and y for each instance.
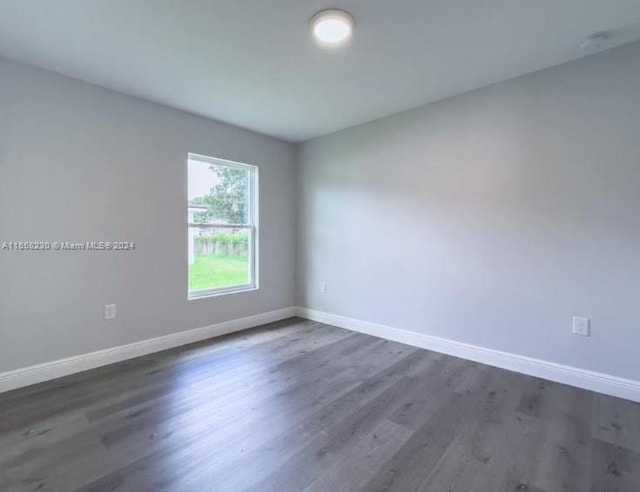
(301, 406)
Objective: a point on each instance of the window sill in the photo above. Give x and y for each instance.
(205, 294)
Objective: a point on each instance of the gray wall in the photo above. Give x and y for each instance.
(489, 218)
(78, 163)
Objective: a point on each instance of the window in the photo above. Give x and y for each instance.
(222, 226)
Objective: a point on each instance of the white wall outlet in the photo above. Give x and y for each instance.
(109, 311)
(323, 287)
(581, 326)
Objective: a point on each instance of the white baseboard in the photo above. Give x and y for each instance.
(581, 378)
(71, 365)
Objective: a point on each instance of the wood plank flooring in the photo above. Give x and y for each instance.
(301, 406)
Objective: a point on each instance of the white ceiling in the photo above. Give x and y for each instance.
(252, 63)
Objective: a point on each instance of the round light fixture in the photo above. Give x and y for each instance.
(596, 42)
(332, 27)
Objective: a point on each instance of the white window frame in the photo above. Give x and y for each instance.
(251, 227)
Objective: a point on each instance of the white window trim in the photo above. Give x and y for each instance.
(252, 227)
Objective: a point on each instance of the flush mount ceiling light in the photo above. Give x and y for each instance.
(596, 42)
(332, 27)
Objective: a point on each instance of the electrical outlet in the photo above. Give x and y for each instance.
(323, 287)
(581, 326)
(109, 311)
